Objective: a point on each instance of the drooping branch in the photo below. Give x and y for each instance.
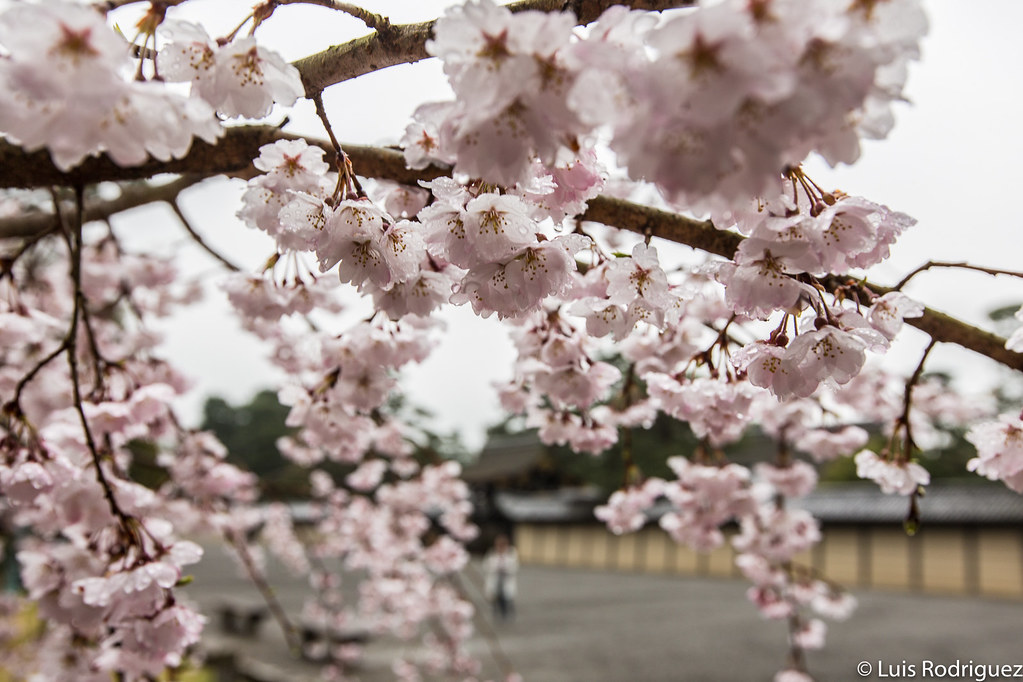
(74, 240)
(241, 548)
(30, 225)
(406, 43)
(235, 151)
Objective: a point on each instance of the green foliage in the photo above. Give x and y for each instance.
(1006, 312)
(949, 462)
(648, 453)
(144, 468)
(946, 463)
(250, 433)
(650, 450)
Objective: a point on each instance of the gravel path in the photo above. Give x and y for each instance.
(586, 626)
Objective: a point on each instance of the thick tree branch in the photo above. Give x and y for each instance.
(947, 329)
(239, 146)
(233, 153)
(700, 234)
(406, 43)
(704, 236)
(35, 169)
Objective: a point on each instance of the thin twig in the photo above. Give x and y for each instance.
(269, 596)
(630, 473)
(912, 521)
(948, 264)
(907, 401)
(345, 172)
(485, 627)
(13, 406)
(99, 363)
(322, 113)
(71, 346)
(797, 655)
(198, 238)
(230, 36)
(377, 22)
(7, 262)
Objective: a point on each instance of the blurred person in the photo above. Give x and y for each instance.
(500, 566)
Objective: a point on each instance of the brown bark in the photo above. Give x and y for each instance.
(234, 153)
(406, 43)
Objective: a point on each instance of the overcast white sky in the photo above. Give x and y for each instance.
(952, 162)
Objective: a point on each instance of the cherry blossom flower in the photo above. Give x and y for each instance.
(420, 294)
(558, 427)
(798, 479)
(703, 499)
(423, 137)
(824, 445)
(569, 188)
(717, 410)
(625, 511)
(577, 385)
(368, 476)
(497, 226)
(511, 85)
(637, 277)
(834, 605)
(745, 291)
(287, 201)
(354, 236)
(1015, 341)
(999, 450)
(294, 159)
(238, 79)
(777, 534)
(746, 97)
(825, 353)
(901, 478)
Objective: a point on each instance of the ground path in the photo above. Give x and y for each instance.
(587, 626)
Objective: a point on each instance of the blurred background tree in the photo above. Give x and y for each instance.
(250, 433)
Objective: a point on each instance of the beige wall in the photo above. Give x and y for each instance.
(941, 559)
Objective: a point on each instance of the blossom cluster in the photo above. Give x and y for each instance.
(695, 507)
(711, 105)
(106, 552)
(241, 78)
(999, 450)
(74, 87)
(84, 101)
(703, 110)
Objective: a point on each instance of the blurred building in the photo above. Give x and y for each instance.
(970, 540)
